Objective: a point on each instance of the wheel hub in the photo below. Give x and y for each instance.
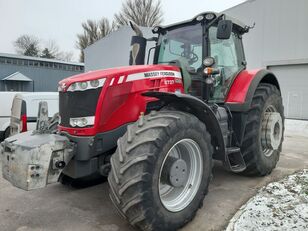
(271, 132)
(178, 173)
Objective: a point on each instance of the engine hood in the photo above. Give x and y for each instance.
(113, 72)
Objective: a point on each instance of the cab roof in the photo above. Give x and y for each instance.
(241, 26)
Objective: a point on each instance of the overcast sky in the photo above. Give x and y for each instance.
(60, 20)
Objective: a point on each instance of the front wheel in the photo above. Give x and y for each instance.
(161, 170)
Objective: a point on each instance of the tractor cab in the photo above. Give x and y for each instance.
(208, 50)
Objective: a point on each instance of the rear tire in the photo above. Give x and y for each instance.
(138, 171)
(259, 160)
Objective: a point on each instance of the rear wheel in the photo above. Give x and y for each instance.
(264, 130)
(161, 170)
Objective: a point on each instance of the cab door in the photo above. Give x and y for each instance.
(229, 59)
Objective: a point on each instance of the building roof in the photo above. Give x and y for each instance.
(14, 56)
(17, 76)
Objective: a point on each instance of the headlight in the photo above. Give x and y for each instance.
(82, 121)
(86, 85)
(83, 85)
(94, 83)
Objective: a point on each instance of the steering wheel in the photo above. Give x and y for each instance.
(192, 57)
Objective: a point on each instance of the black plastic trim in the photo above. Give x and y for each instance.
(198, 108)
(90, 149)
(91, 146)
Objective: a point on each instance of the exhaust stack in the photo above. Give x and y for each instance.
(138, 45)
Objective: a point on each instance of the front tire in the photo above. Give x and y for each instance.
(263, 135)
(161, 170)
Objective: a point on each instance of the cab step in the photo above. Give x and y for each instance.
(234, 159)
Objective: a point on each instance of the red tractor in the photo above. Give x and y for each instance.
(154, 130)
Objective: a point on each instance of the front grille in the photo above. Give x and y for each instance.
(77, 104)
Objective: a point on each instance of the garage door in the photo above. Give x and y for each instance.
(293, 80)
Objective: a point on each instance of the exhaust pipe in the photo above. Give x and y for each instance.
(138, 46)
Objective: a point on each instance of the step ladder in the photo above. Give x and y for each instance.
(234, 159)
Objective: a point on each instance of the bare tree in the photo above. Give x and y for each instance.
(92, 31)
(27, 45)
(46, 54)
(65, 56)
(53, 47)
(142, 12)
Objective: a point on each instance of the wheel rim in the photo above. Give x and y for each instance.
(180, 175)
(271, 131)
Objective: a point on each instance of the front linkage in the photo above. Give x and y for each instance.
(33, 159)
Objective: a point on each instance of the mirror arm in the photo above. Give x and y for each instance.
(214, 21)
(248, 28)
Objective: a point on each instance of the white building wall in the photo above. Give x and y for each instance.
(279, 42)
(280, 33)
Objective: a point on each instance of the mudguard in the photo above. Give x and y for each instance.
(244, 86)
(197, 107)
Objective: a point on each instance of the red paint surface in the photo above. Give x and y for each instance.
(24, 125)
(122, 103)
(239, 89)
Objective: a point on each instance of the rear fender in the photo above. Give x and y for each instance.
(241, 94)
(201, 110)
(244, 86)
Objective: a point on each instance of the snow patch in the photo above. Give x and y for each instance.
(280, 205)
(297, 127)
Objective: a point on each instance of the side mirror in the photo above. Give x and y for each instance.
(224, 29)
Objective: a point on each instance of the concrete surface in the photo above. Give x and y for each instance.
(59, 207)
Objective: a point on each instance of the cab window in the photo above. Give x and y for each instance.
(228, 60)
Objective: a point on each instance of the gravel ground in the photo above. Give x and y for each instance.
(281, 205)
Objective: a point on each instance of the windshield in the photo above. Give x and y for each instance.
(183, 45)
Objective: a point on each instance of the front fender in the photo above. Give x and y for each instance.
(201, 110)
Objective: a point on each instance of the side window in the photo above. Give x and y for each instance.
(170, 50)
(225, 53)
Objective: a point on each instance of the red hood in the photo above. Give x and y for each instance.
(113, 72)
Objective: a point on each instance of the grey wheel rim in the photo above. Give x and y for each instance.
(177, 192)
(271, 131)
